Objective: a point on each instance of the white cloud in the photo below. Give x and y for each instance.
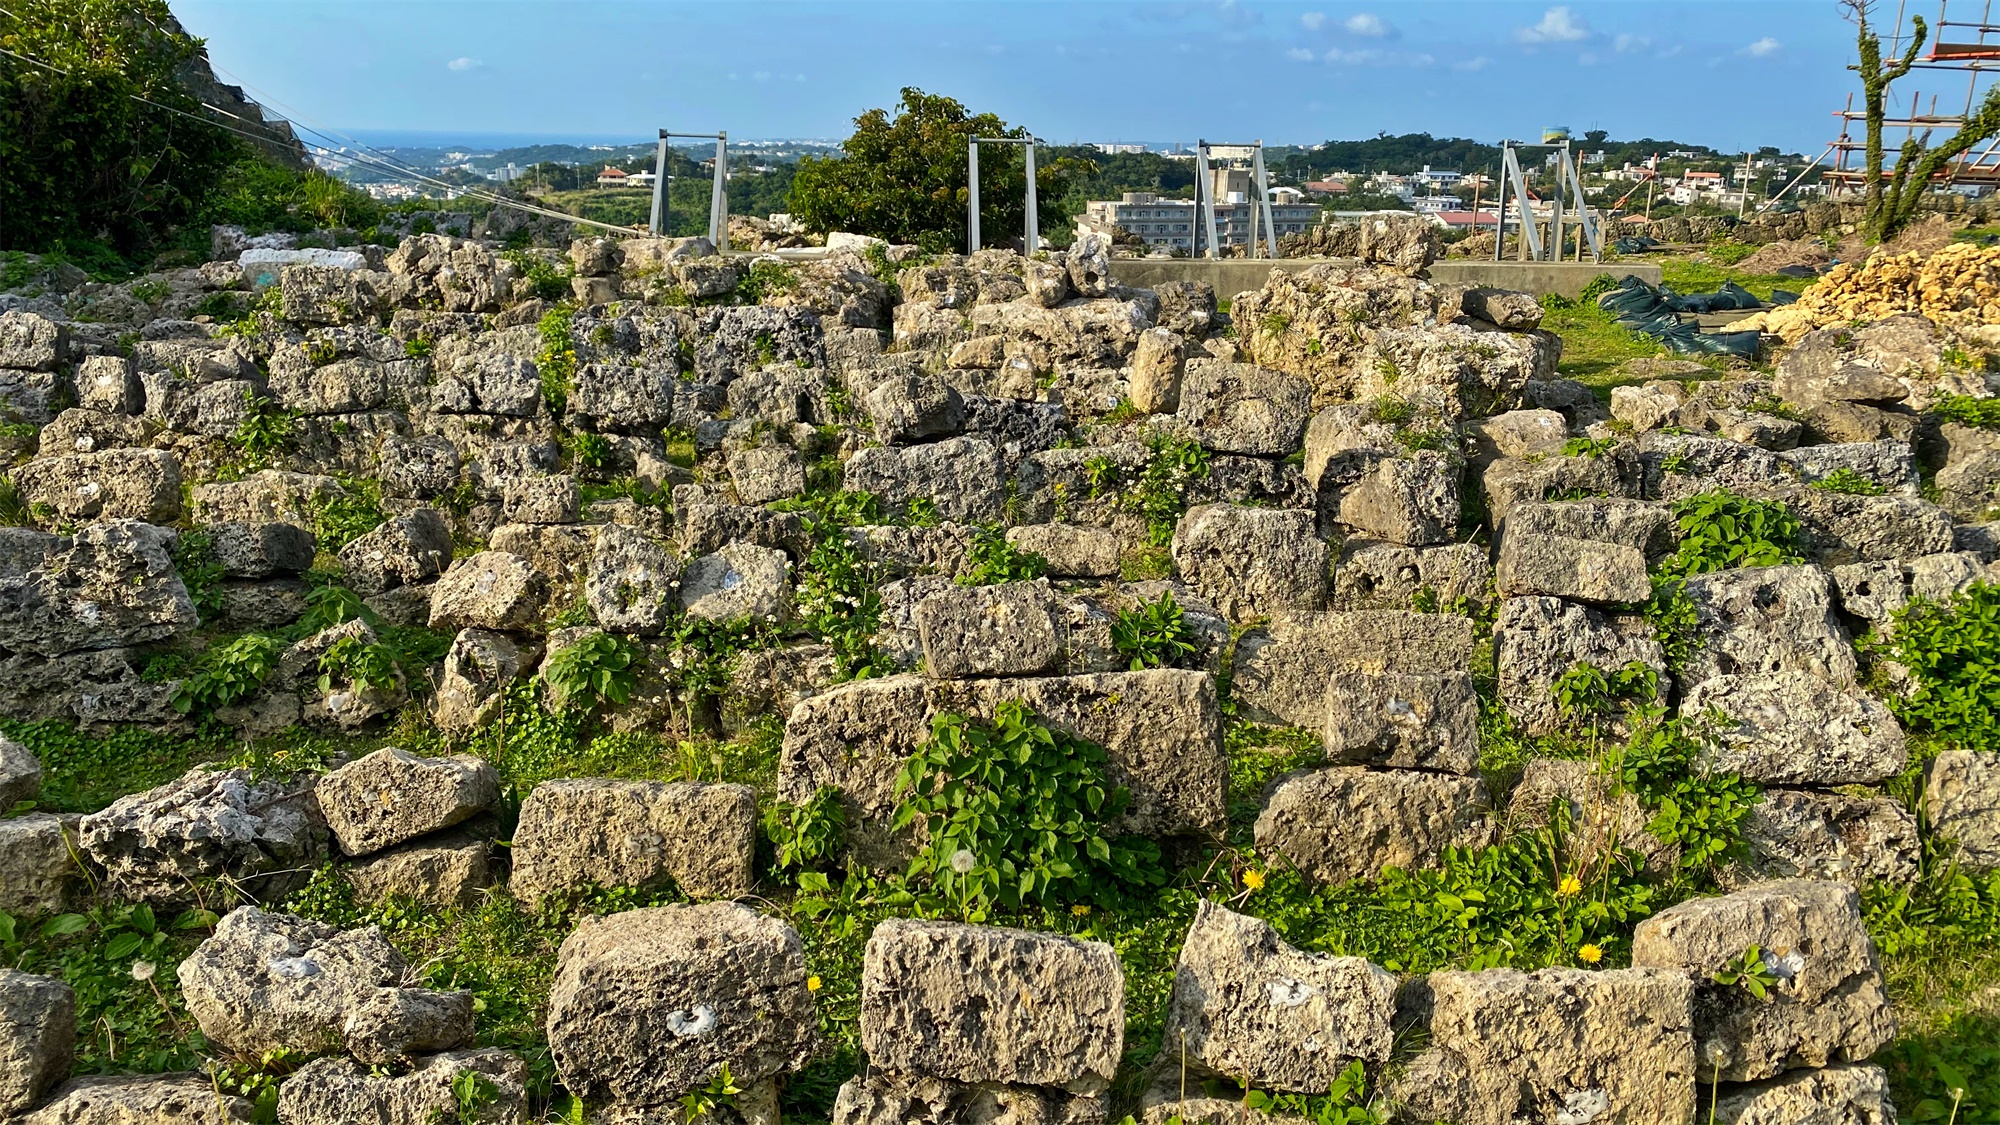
(1300, 54)
(464, 64)
(1559, 25)
(1762, 48)
(1371, 56)
(1472, 64)
(1369, 24)
(1626, 43)
(1340, 57)
(762, 76)
(1313, 21)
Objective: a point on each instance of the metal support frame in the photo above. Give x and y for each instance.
(718, 196)
(1031, 237)
(1204, 194)
(1566, 203)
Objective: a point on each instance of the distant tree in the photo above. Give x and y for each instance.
(1596, 136)
(904, 178)
(1888, 208)
(82, 160)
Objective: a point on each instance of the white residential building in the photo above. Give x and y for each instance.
(1169, 223)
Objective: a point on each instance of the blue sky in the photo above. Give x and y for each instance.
(1734, 75)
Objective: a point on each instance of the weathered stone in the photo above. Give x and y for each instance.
(1962, 802)
(31, 342)
(766, 473)
(37, 1037)
(20, 774)
(982, 1004)
(643, 834)
(39, 874)
(1556, 1045)
(262, 835)
(1513, 480)
(1891, 464)
(633, 583)
(1008, 629)
(489, 590)
(1537, 640)
(1836, 1095)
(140, 1099)
(913, 408)
(1645, 408)
(1251, 562)
(1281, 671)
(116, 484)
(1874, 591)
(1409, 500)
(391, 1024)
(393, 796)
(1516, 433)
(1347, 823)
(264, 982)
(1375, 575)
(410, 548)
(880, 1098)
(1503, 307)
(259, 550)
(1561, 566)
(1160, 728)
(1158, 366)
(1791, 728)
(442, 871)
(265, 496)
(1426, 721)
(1827, 1004)
(1243, 408)
(1768, 619)
(1647, 528)
(545, 500)
(1072, 550)
(741, 580)
(115, 585)
(477, 669)
(1603, 812)
(1799, 833)
(961, 477)
(492, 383)
(1249, 1007)
(1842, 528)
(650, 1004)
(339, 1092)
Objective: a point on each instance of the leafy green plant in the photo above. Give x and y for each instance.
(719, 1093)
(1161, 492)
(1013, 814)
(838, 595)
(589, 451)
(228, 673)
(1153, 635)
(264, 432)
(471, 1092)
(1585, 691)
(339, 518)
(808, 835)
(765, 278)
(549, 282)
(1750, 970)
(194, 557)
(1698, 809)
(1966, 410)
(1951, 650)
(1675, 625)
(993, 560)
(1849, 482)
(13, 506)
(557, 358)
(1346, 1102)
(1588, 447)
(1721, 530)
(329, 604)
(358, 661)
(601, 666)
(320, 352)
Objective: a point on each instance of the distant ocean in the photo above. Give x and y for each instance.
(444, 138)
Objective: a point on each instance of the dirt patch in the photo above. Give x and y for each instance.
(1772, 257)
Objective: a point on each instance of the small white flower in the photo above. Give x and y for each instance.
(961, 861)
(143, 970)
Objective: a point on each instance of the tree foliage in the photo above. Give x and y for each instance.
(80, 157)
(903, 178)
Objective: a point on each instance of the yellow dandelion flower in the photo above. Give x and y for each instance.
(1590, 954)
(1569, 886)
(1081, 909)
(1253, 879)
(812, 983)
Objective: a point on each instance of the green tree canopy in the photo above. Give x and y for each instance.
(904, 178)
(80, 158)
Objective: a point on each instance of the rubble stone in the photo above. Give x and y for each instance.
(1347, 823)
(642, 834)
(261, 834)
(37, 1037)
(1251, 562)
(393, 796)
(1962, 801)
(1791, 728)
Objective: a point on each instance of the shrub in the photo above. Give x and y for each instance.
(328, 605)
(1983, 413)
(1849, 482)
(1698, 809)
(359, 662)
(228, 673)
(1952, 650)
(1161, 493)
(601, 666)
(765, 279)
(994, 560)
(1721, 530)
(1154, 635)
(1592, 448)
(1014, 815)
(550, 282)
(838, 598)
(808, 835)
